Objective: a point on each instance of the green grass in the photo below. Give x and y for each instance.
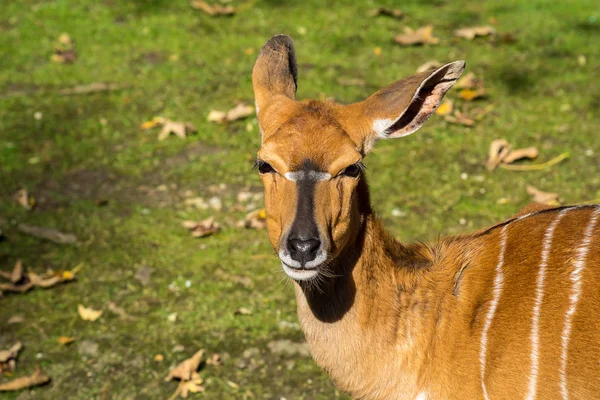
(179, 63)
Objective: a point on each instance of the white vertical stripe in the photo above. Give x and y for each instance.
(539, 297)
(576, 279)
(497, 291)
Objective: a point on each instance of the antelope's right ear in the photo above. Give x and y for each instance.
(275, 75)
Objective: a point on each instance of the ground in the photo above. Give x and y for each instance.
(95, 173)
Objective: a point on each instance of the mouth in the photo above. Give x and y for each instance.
(302, 272)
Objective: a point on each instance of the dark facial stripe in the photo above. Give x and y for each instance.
(304, 226)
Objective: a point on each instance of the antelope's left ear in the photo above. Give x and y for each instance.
(402, 107)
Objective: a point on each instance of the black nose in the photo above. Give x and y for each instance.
(303, 250)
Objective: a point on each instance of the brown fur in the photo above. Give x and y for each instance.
(396, 321)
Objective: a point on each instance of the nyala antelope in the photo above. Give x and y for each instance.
(508, 312)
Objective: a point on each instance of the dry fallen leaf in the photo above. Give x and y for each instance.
(445, 108)
(388, 12)
(212, 9)
(17, 273)
(202, 228)
(472, 32)
(501, 154)
(215, 359)
(8, 358)
(186, 368)
(242, 311)
(551, 199)
(499, 149)
(459, 118)
(120, 312)
(238, 112)
(191, 386)
(518, 154)
(423, 35)
(15, 319)
(35, 379)
(256, 219)
(472, 94)
(23, 282)
(429, 66)
(469, 81)
(89, 314)
(22, 197)
(48, 234)
(65, 340)
(64, 50)
(178, 128)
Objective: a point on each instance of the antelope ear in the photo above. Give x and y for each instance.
(404, 106)
(275, 72)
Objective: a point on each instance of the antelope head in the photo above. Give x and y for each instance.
(311, 157)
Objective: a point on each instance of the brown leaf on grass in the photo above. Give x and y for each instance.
(472, 94)
(256, 219)
(429, 66)
(499, 149)
(501, 153)
(351, 81)
(519, 154)
(8, 358)
(469, 81)
(242, 311)
(36, 379)
(17, 273)
(202, 228)
(551, 199)
(472, 32)
(65, 340)
(238, 112)
(191, 386)
(384, 11)
(22, 197)
(88, 313)
(445, 108)
(50, 234)
(9, 287)
(15, 319)
(93, 87)
(423, 35)
(460, 118)
(120, 312)
(186, 368)
(178, 128)
(217, 116)
(213, 10)
(215, 359)
(64, 50)
(31, 279)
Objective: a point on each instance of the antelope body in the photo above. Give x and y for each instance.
(508, 312)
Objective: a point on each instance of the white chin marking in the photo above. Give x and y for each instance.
(299, 274)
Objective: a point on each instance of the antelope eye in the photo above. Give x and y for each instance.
(264, 168)
(352, 171)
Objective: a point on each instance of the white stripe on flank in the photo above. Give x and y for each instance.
(576, 279)
(498, 283)
(539, 297)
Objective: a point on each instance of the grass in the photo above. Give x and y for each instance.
(179, 63)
